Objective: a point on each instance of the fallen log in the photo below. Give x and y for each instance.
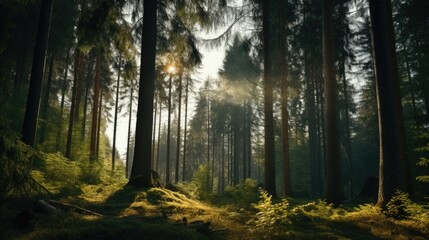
(46, 207)
(68, 207)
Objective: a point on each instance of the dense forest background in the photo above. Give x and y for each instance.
(314, 100)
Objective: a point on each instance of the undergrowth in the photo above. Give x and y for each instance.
(16, 157)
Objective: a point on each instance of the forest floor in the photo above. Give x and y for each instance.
(158, 213)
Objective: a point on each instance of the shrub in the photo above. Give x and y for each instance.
(200, 180)
(401, 207)
(271, 218)
(243, 194)
(15, 167)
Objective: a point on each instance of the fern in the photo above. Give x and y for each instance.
(271, 218)
(423, 162)
(15, 167)
(424, 178)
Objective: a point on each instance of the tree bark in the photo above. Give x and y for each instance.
(95, 102)
(333, 184)
(88, 79)
(29, 127)
(115, 122)
(176, 176)
(284, 99)
(73, 101)
(167, 164)
(159, 136)
(100, 108)
(63, 93)
(45, 103)
(270, 177)
(154, 128)
(127, 160)
(347, 136)
(141, 170)
(394, 169)
(186, 128)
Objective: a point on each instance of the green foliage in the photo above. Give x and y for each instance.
(272, 217)
(15, 165)
(317, 210)
(243, 194)
(401, 207)
(200, 179)
(70, 178)
(423, 162)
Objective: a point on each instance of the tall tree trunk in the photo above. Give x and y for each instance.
(63, 93)
(284, 99)
(73, 101)
(176, 179)
(214, 140)
(88, 79)
(45, 103)
(115, 122)
(97, 144)
(127, 160)
(320, 151)
(167, 164)
(185, 128)
(159, 136)
(243, 148)
(347, 136)
(141, 170)
(85, 112)
(29, 126)
(94, 125)
(312, 127)
(80, 79)
(333, 177)
(229, 158)
(413, 98)
(394, 169)
(235, 144)
(222, 171)
(270, 177)
(154, 128)
(208, 141)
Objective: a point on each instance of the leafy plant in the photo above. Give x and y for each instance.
(243, 194)
(15, 167)
(401, 206)
(271, 218)
(200, 179)
(423, 162)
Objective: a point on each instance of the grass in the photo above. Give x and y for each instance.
(157, 213)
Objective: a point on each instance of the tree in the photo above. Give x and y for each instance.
(45, 102)
(394, 170)
(95, 108)
(141, 169)
(284, 99)
(33, 101)
(176, 176)
(270, 183)
(333, 178)
(186, 129)
(167, 166)
(115, 123)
